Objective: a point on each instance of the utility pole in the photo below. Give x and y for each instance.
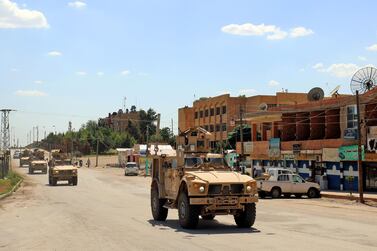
(158, 124)
(241, 134)
(221, 133)
(97, 151)
(37, 133)
(359, 150)
(5, 135)
(147, 154)
(172, 131)
(33, 134)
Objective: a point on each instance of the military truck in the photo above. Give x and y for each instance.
(199, 183)
(25, 158)
(38, 162)
(61, 168)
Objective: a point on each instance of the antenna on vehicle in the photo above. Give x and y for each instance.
(316, 94)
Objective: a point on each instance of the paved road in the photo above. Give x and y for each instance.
(108, 211)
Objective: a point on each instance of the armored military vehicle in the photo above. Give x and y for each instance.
(38, 162)
(199, 183)
(61, 168)
(25, 158)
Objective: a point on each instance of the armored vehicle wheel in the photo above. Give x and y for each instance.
(298, 195)
(54, 181)
(275, 192)
(287, 195)
(30, 171)
(262, 194)
(246, 218)
(50, 181)
(158, 211)
(312, 193)
(74, 181)
(208, 217)
(188, 214)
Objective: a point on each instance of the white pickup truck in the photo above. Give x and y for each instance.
(287, 184)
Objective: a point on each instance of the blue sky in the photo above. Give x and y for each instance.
(76, 60)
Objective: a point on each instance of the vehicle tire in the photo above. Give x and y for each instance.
(188, 214)
(298, 195)
(246, 218)
(157, 205)
(208, 217)
(287, 195)
(262, 194)
(49, 181)
(312, 193)
(30, 171)
(74, 181)
(54, 181)
(275, 193)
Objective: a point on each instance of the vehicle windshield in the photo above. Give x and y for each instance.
(193, 162)
(131, 165)
(297, 179)
(218, 162)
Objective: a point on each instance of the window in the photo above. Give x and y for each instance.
(196, 115)
(283, 177)
(212, 112)
(201, 114)
(217, 110)
(217, 128)
(223, 127)
(206, 113)
(211, 127)
(297, 179)
(206, 127)
(200, 143)
(351, 116)
(224, 109)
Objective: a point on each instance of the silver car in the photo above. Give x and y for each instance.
(131, 169)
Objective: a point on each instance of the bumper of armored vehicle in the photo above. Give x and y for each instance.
(64, 174)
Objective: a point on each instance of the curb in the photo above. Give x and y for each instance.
(12, 190)
(346, 197)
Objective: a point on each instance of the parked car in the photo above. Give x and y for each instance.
(131, 168)
(288, 184)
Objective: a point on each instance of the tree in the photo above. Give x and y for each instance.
(133, 108)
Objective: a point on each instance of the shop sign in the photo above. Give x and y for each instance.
(350, 133)
(248, 147)
(274, 147)
(330, 154)
(350, 153)
(372, 144)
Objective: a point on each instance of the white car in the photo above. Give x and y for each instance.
(131, 169)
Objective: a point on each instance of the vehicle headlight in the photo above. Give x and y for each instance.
(74, 171)
(56, 172)
(248, 189)
(202, 189)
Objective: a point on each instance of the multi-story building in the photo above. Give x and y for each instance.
(219, 114)
(317, 138)
(119, 121)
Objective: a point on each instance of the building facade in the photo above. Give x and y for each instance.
(317, 139)
(119, 121)
(219, 114)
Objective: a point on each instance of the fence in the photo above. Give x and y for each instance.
(4, 164)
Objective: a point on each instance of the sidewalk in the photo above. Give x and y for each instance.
(346, 195)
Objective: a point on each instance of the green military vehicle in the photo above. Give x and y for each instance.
(61, 169)
(199, 183)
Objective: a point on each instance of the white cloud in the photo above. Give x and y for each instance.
(14, 69)
(373, 47)
(361, 58)
(14, 17)
(300, 32)
(81, 73)
(125, 72)
(77, 5)
(247, 91)
(271, 32)
(38, 82)
(30, 93)
(100, 73)
(55, 53)
(340, 70)
(273, 83)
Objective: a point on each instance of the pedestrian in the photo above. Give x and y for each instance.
(80, 162)
(88, 162)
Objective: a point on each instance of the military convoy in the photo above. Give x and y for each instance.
(25, 158)
(199, 183)
(61, 168)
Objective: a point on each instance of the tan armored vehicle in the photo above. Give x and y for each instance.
(61, 168)
(38, 162)
(198, 183)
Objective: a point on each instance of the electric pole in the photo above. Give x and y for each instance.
(359, 150)
(241, 134)
(97, 151)
(5, 135)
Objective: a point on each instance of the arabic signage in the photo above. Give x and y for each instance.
(330, 154)
(274, 147)
(350, 133)
(350, 153)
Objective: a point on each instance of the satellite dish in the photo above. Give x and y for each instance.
(263, 107)
(364, 80)
(335, 91)
(316, 94)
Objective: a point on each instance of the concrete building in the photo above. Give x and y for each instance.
(119, 121)
(219, 114)
(317, 138)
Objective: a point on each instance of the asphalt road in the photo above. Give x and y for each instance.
(108, 211)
